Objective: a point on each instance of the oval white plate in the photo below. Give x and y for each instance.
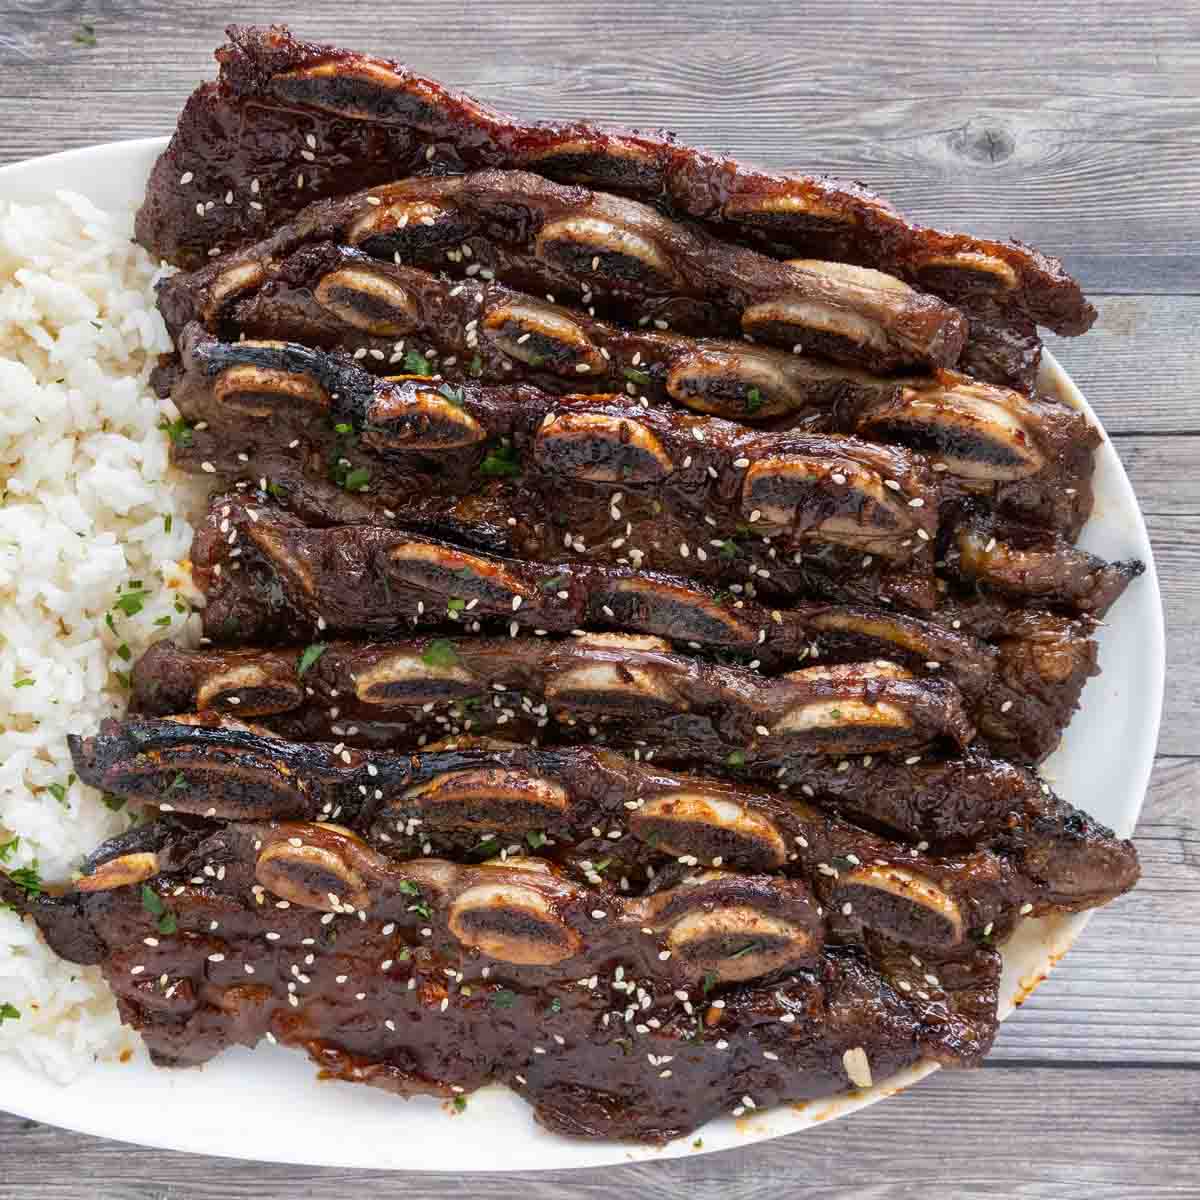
(268, 1104)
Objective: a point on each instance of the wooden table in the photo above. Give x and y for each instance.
(1073, 125)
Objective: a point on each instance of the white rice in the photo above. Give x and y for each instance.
(86, 505)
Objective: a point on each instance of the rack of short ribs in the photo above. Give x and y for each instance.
(809, 957)
(290, 122)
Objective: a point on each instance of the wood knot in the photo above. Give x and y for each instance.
(983, 143)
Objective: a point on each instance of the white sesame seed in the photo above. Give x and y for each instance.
(1026, 909)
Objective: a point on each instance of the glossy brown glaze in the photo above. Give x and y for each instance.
(365, 121)
(388, 992)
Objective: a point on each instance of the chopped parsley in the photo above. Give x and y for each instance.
(178, 784)
(123, 651)
(602, 866)
(460, 1104)
(162, 622)
(85, 35)
(18, 683)
(635, 376)
(59, 791)
(454, 395)
(501, 460)
(455, 604)
(746, 949)
(504, 998)
(28, 879)
(439, 653)
(754, 400)
(132, 602)
(728, 549)
(8, 848)
(536, 839)
(342, 427)
(408, 887)
(152, 902)
(180, 432)
(554, 584)
(274, 489)
(9, 1013)
(310, 656)
(112, 803)
(736, 759)
(356, 480)
(416, 363)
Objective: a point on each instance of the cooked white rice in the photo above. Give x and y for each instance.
(89, 509)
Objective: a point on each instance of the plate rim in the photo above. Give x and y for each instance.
(1061, 933)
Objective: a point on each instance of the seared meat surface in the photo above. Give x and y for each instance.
(638, 588)
(373, 121)
(431, 977)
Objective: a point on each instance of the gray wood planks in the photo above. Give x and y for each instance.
(1071, 125)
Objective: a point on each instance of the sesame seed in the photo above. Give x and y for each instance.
(1026, 909)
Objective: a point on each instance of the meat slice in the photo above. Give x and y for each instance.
(285, 112)
(433, 978)
(623, 257)
(392, 318)
(1032, 456)
(269, 578)
(464, 799)
(635, 683)
(1034, 564)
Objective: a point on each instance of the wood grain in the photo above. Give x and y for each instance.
(1071, 125)
(984, 1135)
(963, 121)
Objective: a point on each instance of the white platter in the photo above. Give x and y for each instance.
(269, 1105)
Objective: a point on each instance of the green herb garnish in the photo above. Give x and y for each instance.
(22, 683)
(310, 656)
(59, 792)
(736, 759)
(274, 489)
(8, 848)
(28, 879)
(460, 1104)
(455, 604)
(168, 521)
(635, 376)
(746, 949)
(416, 364)
(553, 585)
(342, 427)
(501, 460)
(9, 1013)
(179, 431)
(152, 901)
(408, 887)
(754, 400)
(123, 651)
(476, 367)
(439, 653)
(112, 803)
(536, 839)
(85, 35)
(504, 998)
(710, 981)
(357, 480)
(555, 1005)
(131, 603)
(727, 549)
(167, 923)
